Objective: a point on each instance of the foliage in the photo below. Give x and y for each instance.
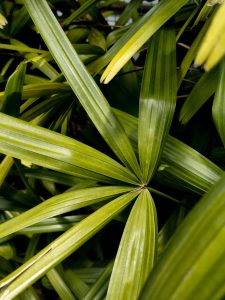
(112, 149)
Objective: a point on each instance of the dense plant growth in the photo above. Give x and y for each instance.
(112, 149)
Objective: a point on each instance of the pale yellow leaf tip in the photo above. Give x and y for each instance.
(3, 21)
(105, 78)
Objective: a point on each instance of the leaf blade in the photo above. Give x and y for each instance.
(82, 83)
(136, 254)
(62, 247)
(218, 103)
(157, 99)
(139, 33)
(55, 151)
(195, 251)
(58, 205)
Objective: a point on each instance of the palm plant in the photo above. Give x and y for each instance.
(105, 194)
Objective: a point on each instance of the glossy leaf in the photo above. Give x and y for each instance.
(58, 205)
(157, 99)
(82, 83)
(13, 92)
(62, 247)
(179, 160)
(137, 251)
(139, 33)
(218, 109)
(192, 266)
(55, 151)
(200, 93)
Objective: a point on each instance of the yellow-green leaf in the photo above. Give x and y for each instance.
(137, 251)
(157, 99)
(213, 45)
(139, 33)
(62, 247)
(218, 109)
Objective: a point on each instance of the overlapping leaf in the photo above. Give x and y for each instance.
(58, 205)
(138, 34)
(157, 99)
(137, 251)
(192, 267)
(178, 159)
(55, 151)
(62, 247)
(82, 83)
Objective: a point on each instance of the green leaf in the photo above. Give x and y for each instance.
(138, 34)
(218, 109)
(77, 285)
(169, 228)
(13, 91)
(178, 161)
(128, 12)
(40, 90)
(82, 83)
(58, 205)
(83, 9)
(5, 167)
(21, 48)
(192, 266)
(59, 285)
(98, 289)
(136, 254)
(157, 99)
(55, 151)
(189, 57)
(208, 7)
(188, 166)
(62, 247)
(56, 224)
(213, 46)
(201, 92)
(19, 20)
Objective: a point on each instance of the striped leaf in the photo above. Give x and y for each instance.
(157, 99)
(138, 34)
(178, 161)
(62, 247)
(57, 152)
(82, 83)
(137, 251)
(58, 205)
(193, 266)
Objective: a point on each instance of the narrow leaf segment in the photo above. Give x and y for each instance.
(139, 33)
(157, 99)
(218, 109)
(62, 247)
(137, 251)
